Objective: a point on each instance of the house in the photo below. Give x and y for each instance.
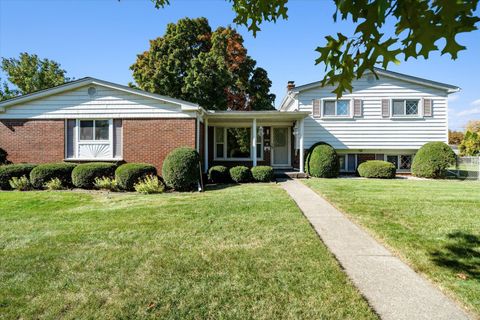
(388, 118)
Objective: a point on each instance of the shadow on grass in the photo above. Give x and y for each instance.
(461, 254)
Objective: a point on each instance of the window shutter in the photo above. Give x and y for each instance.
(427, 107)
(316, 107)
(385, 108)
(117, 138)
(357, 108)
(71, 137)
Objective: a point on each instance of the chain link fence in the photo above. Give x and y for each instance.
(466, 168)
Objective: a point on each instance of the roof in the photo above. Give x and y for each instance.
(271, 114)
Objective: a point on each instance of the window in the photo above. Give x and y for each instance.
(94, 129)
(401, 162)
(342, 161)
(219, 142)
(336, 108)
(394, 160)
(235, 143)
(405, 107)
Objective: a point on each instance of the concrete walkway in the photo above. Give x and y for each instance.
(392, 288)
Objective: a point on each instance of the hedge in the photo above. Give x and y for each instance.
(218, 174)
(83, 176)
(377, 169)
(181, 169)
(127, 175)
(262, 173)
(432, 160)
(240, 174)
(322, 161)
(43, 173)
(9, 171)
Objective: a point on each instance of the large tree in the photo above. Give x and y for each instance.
(419, 28)
(28, 74)
(211, 68)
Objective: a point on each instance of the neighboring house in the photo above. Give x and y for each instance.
(94, 120)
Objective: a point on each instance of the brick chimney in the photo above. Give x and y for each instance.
(290, 85)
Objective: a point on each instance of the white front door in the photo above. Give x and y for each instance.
(281, 147)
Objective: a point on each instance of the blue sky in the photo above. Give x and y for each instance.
(100, 38)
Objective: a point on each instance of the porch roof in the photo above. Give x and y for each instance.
(263, 116)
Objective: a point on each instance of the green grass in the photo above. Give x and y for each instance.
(433, 225)
(243, 252)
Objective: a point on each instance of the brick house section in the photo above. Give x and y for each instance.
(33, 141)
(150, 140)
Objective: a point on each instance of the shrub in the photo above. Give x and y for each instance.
(432, 160)
(240, 174)
(130, 173)
(106, 183)
(149, 184)
(43, 173)
(3, 156)
(218, 174)
(83, 176)
(322, 161)
(262, 173)
(20, 184)
(377, 169)
(181, 169)
(54, 184)
(7, 172)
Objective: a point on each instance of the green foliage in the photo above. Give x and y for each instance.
(240, 174)
(212, 69)
(106, 183)
(54, 184)
(218, 174)
(20, 184)
(432, 160)
(3, 157)
(322, 161)
(377, 169)
(7, 172)
(181, 169)
(262, 173)
(470, 146)
(43, 173)
(149, 184)
(130, 173)
(83, 176)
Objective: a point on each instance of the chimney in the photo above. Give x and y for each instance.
(290, 85)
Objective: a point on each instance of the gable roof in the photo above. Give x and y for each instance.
(185, 105)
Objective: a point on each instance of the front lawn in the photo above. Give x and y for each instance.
(243, 252)
(433, 225)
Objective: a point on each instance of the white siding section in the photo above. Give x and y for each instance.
(371, 131)
(107, 103)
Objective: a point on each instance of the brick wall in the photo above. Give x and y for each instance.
(150, 140)
(33, 141)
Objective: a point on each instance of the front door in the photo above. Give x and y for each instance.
(281, 147)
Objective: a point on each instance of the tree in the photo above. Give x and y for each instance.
(473, 126)
(29, 74)
(419, 28)
(470, 145)
(211, 68)
(455, 137)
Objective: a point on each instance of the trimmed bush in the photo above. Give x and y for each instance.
(322, 161)
(20, 184)
(43, 173)
(130, 173)
(432, 160)
(54, 184)
(7, 172)
(83, 176)
(149, 184)
(106, 183)
(218, 174)
(240, 174)
(181, 169)
(377, 169)
(262, 173)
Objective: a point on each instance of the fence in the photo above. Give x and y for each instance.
(466, 168)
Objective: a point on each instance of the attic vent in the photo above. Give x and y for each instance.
(92, 92)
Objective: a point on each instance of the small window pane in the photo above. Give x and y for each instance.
(412, 107)
(394, 160)
(219, 153)
(238, 142)
(341, 160)
(342, 107)
(405, 161)
(398, 107)
(259, 150)
(259, 134)
(329, 108)
(101, 129)
(86, 130)
(219, 135)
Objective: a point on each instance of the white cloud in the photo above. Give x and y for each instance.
(468, 112)
(476, 102)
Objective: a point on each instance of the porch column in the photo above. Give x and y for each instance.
(197, 134)
(302, 161)
(254, 142)
(205, 144)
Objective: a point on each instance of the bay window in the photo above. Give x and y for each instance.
(232, 143)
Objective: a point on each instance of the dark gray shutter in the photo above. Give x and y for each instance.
(316, 108)
(117, 138)
(351, 163)
(427, 107)
(379, 156)
(71, 137)
(357, 108)
(385, 108)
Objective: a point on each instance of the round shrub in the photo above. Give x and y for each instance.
(432, 160)
(377, 169)
(43, 173)
(262, 173)
(322, 161)
(240, 174)
(128, 174)
(218, 174)
(83, 176)
(7, 172)
(181, 170)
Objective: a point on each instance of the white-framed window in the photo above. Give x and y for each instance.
(336, 108)
(342, 160)
(405, 107)
(401, 162)
(94, 130)
(234, 143)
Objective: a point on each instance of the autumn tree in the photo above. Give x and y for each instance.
(211, 68)
(473, 126)
(470, 145)
(455, 137)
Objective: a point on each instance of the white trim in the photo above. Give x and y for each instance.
(205, 147)
(289, 145)
(301, 147)
(197, 134)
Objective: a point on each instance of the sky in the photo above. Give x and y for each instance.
(101, 38)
